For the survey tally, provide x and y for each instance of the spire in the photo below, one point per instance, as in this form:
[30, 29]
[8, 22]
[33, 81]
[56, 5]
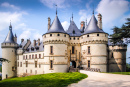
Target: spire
[72, 16]
[93, 9]
[10, 27]
[70, 20]
[10, 37]
[56, 10]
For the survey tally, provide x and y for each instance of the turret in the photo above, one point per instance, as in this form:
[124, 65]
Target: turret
[100, 21]
[9, 47]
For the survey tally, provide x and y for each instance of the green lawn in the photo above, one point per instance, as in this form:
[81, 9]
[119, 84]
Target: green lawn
[44, 80]
[123, 73]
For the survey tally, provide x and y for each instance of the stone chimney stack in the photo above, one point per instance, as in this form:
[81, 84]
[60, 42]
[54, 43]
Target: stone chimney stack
[22, 40]
[34, 43]
[38, 41]
[100, 21]
[15, 38]
[49, 23]
[82, 25]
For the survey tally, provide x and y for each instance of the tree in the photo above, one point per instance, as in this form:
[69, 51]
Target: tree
[121, 35]
[3, 60]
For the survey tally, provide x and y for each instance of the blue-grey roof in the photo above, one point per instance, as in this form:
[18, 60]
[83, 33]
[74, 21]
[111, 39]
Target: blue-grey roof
[92, 26]
[10, 37]
[73, 28]
[56, 26]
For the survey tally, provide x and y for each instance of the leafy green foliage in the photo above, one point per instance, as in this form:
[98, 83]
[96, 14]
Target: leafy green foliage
[123, 73]
[4, 60]
[45, 80]
[122, 34]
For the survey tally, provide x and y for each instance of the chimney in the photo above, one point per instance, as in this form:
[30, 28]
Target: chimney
[82, 25]
[34, 43]
[100, 21]
[49, 23]
[15, 38]
[38, 42]
[22, 40]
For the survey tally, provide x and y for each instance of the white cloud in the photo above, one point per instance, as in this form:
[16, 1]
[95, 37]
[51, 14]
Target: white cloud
[37, 35]
[7, 16]
[65, 25]
[84, 15]
[25, 34]
[112, 10]
[52, 3]
[6, 4]
[20, 26]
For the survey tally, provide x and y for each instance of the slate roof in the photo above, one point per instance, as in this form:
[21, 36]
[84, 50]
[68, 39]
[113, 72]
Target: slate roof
[30, 47]
[10, 37]
[92, 26]
[73, 30]
[56, 26]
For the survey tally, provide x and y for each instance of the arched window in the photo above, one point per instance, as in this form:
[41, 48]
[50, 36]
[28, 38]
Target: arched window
[112, 55]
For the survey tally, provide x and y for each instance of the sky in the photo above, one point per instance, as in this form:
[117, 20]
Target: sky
[29, 18]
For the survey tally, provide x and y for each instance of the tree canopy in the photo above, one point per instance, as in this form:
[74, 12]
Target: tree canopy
[121, 35]
[3, 60]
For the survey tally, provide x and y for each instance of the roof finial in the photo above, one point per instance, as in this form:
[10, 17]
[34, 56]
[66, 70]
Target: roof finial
[10, 22]
[56, 10]
[72, 16]
[70, 19]
[93, 8]
[10, 27]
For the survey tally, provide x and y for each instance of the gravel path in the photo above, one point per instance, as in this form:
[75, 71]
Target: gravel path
[96, 79]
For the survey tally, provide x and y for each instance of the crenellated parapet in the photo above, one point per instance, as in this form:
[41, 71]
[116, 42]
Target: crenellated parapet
[9, 45]
[55, 38]
[95, 38]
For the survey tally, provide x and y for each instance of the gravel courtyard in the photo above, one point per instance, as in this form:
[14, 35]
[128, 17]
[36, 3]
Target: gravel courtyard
[96, 79]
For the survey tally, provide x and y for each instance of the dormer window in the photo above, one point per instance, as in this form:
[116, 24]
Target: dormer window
[32, 48]
[73, 31]
[50, 35]
[36, 47]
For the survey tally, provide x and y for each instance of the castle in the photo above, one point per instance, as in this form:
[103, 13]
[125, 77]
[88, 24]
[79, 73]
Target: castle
[87, 47]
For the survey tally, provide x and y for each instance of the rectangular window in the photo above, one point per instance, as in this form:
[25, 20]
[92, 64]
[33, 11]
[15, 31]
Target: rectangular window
[88, 63]
[23, 56]
[36, 56]
[51, 64]
[72, 49]
[30, 71]
[88, 49]
[17, 57]
[29, 56]
[20, 64]
[33, 56]
[39, 65]
[43, 55]
[26, 56]
[35, 64]
[39, 55]
[26, 63]
[51, 49]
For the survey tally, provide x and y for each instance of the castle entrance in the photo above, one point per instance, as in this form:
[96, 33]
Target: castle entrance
[73, 64]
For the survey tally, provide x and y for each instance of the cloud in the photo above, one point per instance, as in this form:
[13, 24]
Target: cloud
[52, 3]
[25, 34]
[84, 15]
[20, 26]
[37, 35]
[112, 10]
[7, 16]
[65, 25]
[6, 4]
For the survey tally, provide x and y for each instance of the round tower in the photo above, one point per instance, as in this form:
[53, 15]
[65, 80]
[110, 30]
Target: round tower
[94, 47]
[117, 58]
[9, 52]
[55, 48]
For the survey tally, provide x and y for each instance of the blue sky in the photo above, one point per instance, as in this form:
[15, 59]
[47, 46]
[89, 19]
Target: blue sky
[29, 17]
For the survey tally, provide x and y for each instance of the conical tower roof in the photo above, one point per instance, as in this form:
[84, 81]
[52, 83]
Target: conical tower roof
[73, 29]
[56, 26]
[10, 37]
[92, 26]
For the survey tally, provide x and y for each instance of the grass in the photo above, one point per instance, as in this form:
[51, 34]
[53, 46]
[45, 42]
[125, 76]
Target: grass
[123, 73]
[44, 80]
